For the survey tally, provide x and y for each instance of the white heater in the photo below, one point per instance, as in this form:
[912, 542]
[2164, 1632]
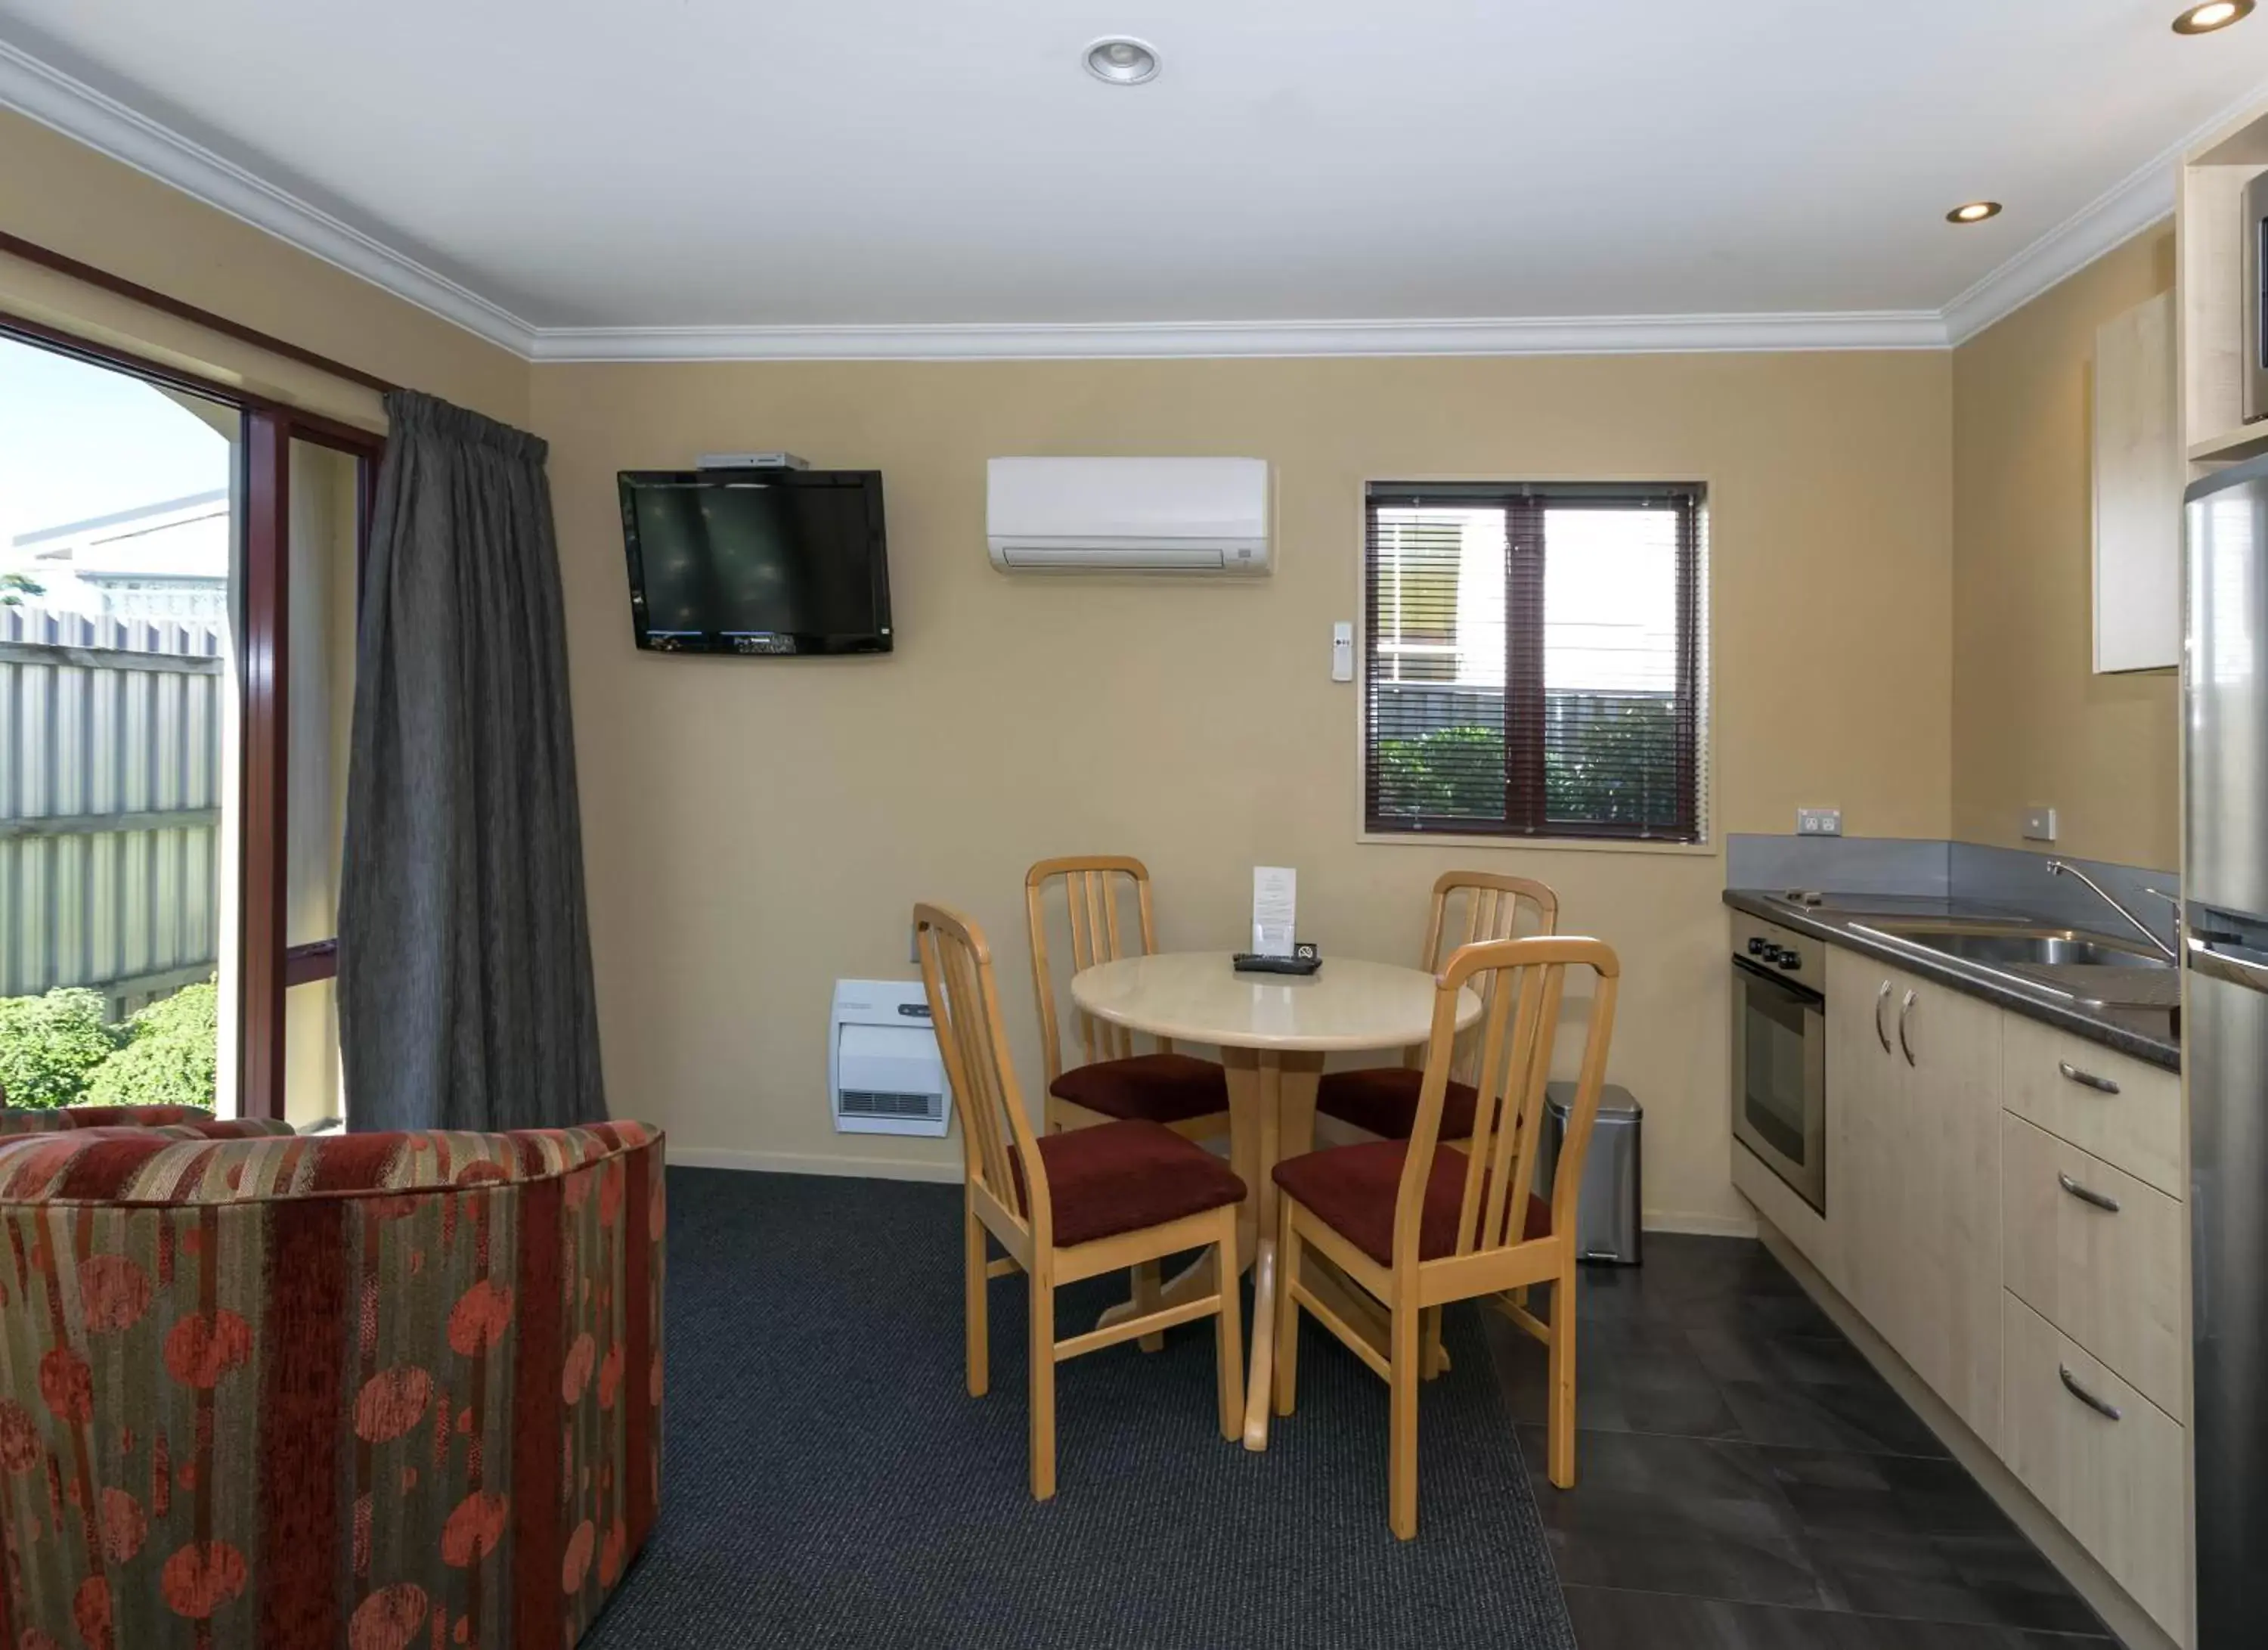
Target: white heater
[884, 1075]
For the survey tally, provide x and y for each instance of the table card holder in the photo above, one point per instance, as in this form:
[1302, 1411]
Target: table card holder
[1275, 920]
[1275, 910]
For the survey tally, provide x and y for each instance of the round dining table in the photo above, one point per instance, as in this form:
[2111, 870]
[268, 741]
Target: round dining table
[1273, 1031]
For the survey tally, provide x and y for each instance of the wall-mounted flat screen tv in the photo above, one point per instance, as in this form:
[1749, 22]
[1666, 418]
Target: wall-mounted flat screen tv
[757, 561]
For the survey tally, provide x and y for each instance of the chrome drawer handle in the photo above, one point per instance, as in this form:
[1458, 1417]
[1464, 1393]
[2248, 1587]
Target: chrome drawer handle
[2109, 1205]
[1881, 997]
[2087, 1079]
[2108, 1412]
[1905, 1009]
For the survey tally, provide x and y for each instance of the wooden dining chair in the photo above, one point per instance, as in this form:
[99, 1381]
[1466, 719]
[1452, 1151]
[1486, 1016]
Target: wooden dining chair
[1114, 1082]
[1071, 1206]
[1469, 906]
[1418, 1224]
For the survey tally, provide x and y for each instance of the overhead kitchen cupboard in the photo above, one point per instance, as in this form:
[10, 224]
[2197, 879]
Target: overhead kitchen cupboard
[2138, 474]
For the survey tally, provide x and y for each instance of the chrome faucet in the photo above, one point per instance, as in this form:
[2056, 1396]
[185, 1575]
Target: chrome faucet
[2064, 868]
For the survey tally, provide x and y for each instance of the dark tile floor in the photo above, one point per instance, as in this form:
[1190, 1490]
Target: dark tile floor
[1749, 1483]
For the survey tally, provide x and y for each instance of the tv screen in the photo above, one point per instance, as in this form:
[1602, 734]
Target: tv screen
[757, 561]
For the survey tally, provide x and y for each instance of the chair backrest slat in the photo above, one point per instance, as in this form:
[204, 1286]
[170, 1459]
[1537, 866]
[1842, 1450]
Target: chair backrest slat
[1517, 1167]
[1482, 905]
[964, 1005]
[1522, 984]
[1510, 1108]
[1485, 1072]
[1095, 887]
[1486, 906]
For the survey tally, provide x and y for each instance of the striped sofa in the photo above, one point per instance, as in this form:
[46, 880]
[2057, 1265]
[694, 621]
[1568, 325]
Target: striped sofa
[373, 1391]
[189, 1120]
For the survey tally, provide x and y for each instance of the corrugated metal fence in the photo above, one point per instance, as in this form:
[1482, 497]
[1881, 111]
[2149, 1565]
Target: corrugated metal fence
[110, 787]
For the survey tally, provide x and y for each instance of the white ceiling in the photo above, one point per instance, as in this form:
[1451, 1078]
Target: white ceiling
[537, 167]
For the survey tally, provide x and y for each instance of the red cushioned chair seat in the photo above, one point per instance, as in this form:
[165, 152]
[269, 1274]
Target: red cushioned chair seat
[1352, 1189]
[1161, 1088]
[1123, 1177]
[1383, 1098]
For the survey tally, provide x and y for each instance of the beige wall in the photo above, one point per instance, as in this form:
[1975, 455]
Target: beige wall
[755, 829]
[2032, 724]
[71, 200]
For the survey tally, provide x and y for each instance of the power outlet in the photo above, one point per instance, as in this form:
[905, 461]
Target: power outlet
[1819, 821]
[2039, 824]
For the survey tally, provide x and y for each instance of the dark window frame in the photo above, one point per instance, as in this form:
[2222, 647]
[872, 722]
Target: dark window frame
[268, 965]
[1525, 815]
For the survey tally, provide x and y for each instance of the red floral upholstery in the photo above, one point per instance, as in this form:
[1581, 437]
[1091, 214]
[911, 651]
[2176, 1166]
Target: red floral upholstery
[350, 1390]
[1123, 1177]
[1383, 1098]
[1161, 1088]
[1352, 1189]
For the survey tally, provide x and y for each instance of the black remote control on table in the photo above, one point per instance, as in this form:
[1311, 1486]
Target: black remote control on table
[1305, 959]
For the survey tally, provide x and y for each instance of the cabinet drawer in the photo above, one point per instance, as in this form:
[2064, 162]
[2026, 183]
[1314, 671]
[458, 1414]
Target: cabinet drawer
[2110, 1278]
[2126, 1112]
[2117, 1484]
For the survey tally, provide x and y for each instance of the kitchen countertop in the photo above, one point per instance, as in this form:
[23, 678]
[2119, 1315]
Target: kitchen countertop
[2138, 1032]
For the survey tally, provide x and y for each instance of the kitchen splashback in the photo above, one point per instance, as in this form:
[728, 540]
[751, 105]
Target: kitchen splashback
[2019, 879]
[2012, 879]
[1839, 865]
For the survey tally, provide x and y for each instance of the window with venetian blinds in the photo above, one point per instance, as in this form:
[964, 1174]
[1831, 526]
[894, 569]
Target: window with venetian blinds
[1535, 660]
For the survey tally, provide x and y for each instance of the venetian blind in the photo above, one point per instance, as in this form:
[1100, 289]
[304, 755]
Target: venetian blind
[1533, 661]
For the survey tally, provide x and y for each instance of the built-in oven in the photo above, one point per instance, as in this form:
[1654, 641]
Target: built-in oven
[1780, 1053]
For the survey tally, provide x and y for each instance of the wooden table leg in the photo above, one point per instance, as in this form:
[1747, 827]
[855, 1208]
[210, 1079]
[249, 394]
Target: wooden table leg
[1271, 1115]
[1287, 1125]
[1245, 1127]
[1251, 1123]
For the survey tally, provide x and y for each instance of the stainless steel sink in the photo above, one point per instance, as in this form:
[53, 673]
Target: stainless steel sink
[2049, 947]
[2133, 987]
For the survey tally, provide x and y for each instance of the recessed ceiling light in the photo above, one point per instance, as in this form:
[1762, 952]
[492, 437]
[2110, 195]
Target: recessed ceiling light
[2219, 15]
[1121, 60]
[1975, 212]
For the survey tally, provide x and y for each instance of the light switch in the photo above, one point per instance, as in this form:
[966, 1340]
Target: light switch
[2039, 824]
[1343, 652]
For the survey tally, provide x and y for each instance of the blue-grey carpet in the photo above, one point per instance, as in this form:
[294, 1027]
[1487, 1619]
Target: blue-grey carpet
[827, 1480]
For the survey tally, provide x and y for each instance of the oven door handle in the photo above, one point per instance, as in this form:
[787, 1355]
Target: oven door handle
[1802, 994]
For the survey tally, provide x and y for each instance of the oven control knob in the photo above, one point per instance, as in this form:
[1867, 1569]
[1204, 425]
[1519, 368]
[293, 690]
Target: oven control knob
[1790, 960]
[1760, 948]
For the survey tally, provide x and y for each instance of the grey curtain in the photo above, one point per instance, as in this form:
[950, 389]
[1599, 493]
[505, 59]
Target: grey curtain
[465, 995]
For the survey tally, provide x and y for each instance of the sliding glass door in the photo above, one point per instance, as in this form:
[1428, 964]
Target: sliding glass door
[326, 506]
[179, 567]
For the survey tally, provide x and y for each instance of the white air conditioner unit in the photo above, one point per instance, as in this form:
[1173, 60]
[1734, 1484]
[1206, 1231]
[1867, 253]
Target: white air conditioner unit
[1128, 515]
[884, 1073]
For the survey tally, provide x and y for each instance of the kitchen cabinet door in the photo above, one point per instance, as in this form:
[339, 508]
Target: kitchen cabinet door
[2138, 475]
[1865, 1095]
[1949, 1313]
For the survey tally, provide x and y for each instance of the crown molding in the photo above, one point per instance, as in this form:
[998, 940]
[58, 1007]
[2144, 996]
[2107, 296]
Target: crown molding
[1583, 334]
[2143, 198]
[102, 124]
[2146, 196]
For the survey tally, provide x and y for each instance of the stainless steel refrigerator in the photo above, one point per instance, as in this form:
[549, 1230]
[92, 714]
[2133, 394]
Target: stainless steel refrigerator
[2225, 889]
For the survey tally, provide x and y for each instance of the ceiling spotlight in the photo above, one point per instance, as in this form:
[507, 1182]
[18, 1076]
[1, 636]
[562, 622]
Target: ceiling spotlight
[2219, 15]
[1121, 60]
[1975, 212]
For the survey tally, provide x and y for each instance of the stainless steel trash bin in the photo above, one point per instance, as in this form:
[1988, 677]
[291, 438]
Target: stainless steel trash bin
[1607, 1216]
